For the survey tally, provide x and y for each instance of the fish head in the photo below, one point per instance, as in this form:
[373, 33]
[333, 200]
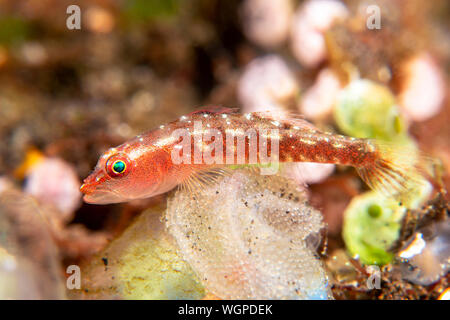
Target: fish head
[124, 173]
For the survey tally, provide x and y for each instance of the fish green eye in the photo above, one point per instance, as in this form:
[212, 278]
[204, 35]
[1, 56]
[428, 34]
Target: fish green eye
[119, 166]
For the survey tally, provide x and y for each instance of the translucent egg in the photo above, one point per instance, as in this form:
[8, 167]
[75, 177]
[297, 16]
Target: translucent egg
[250, 237]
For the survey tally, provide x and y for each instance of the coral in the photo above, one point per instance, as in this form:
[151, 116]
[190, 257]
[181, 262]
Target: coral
[310, 22]
[423, 91]
[266, 22]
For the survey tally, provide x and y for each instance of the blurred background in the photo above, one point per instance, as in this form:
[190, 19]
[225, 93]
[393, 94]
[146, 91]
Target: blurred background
[375, 69]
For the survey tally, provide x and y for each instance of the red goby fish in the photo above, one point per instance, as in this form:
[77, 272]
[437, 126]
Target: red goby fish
[181, 153]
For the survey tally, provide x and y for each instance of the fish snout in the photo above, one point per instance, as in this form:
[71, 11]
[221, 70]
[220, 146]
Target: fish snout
[89, 185]
[84, 189]
[92, 184]
[95, 191]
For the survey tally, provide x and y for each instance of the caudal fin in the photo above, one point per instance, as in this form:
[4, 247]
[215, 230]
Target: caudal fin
[398, 170]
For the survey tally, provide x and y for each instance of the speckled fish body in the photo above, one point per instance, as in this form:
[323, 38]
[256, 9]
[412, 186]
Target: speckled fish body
[151, 169]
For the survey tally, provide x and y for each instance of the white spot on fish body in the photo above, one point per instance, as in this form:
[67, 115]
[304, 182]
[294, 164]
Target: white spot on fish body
[370, 147]
[234, 132]
[165, 141]
[136, 153]
[276, 123]
[308, 141]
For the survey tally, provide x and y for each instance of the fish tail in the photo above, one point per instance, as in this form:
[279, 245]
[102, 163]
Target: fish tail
[396, 170]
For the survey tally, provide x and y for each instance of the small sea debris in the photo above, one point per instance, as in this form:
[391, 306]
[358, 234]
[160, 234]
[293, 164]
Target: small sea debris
[250, 237]
[426, 257]
[423, 91]
[142, 263]
[339, 265]
[365, 109]
[99, 20]
[33, 53]
[54, 181]
[445, 295]
[318, 101]
[267, 22]
[311, 20]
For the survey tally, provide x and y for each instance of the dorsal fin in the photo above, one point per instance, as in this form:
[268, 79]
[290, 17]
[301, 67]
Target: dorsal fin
[290, 118]
[215, 110]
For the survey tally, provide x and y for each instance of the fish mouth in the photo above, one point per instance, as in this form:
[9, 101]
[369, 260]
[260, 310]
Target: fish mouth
[95, 194]
[100, 196]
